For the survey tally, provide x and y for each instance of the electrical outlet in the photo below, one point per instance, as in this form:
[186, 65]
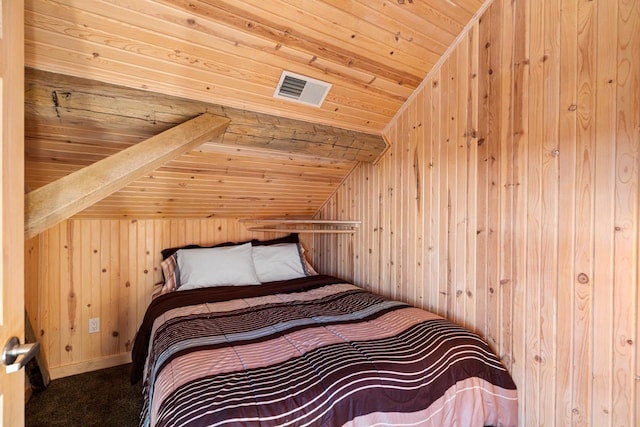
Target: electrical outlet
[94, 325]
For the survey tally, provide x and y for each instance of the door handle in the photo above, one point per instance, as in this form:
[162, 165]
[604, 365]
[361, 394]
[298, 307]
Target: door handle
[13, 350]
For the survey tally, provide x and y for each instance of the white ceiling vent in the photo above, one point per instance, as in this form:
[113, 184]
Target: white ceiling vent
[302, 89]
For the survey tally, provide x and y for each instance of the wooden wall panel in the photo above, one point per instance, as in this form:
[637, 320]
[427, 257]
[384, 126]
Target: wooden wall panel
[508, 202]
[86, 268]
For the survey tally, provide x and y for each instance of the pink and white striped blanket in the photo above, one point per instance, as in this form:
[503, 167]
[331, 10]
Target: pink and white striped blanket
[313, 351]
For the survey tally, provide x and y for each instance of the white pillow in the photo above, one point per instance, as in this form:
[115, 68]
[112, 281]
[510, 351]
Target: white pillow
[278, 262]
[205, 267]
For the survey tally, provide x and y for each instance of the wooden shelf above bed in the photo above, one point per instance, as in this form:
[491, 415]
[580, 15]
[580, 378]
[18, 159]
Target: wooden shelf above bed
[316, 226]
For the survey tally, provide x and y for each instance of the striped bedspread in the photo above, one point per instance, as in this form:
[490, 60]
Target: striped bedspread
[312, 352]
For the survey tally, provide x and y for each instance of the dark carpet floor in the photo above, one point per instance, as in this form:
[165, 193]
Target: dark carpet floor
[102, 398]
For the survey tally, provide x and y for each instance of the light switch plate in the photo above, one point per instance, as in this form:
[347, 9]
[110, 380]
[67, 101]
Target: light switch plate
[94, 325]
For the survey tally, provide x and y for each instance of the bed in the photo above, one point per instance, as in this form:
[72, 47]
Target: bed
[311, 350]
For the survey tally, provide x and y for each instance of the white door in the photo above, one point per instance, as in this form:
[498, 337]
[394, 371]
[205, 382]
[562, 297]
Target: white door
[12, 385]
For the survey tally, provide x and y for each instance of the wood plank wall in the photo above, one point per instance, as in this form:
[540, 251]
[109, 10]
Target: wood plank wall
[86, 268]
[508, 202]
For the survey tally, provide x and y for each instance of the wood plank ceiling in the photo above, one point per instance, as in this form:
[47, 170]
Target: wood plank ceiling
[263, 166]
[227, 56]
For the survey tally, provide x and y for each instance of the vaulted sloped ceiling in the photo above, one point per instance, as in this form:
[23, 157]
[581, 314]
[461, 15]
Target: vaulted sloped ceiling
[214, 55]
[262, 165]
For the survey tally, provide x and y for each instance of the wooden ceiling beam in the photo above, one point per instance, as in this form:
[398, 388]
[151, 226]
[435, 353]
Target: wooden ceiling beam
[75, 108]
[61, 199]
